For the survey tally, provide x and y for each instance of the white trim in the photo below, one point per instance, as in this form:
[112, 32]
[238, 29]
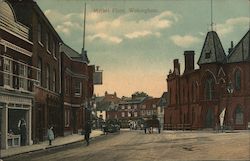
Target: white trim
[221, 70]
[33, 80]
[209, 71]
[45, 89]
[16, 48]
[19, 62]
[28, 41]
[72, 105]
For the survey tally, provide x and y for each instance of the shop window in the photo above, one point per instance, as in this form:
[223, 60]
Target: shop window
[238, 80]
[239, 116]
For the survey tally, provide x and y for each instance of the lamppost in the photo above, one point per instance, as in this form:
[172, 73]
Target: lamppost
[230, 90]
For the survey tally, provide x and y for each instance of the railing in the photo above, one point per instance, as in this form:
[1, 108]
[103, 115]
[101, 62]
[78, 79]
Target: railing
[177, 127]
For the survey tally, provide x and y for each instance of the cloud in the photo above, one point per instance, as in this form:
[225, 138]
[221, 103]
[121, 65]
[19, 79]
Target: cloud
[229, 25]
[184, 41]
[105, 37]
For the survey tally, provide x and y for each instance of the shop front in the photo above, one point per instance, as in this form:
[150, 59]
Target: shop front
[15, 117]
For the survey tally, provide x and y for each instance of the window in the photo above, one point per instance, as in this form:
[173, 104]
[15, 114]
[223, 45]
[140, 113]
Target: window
[67, 117]
[39, 72]
[39, 33]
[78, 88]
[193, 92]
[47, 77]
[209, 85]
[47, 40]
[135, 114]
[239, 116]
[54, 80]
[67, 85]
[123, 107]
[237, 80]
[208, 55]
[7, 72]
[129, 114]
[54, 49]
[23, 77]
[123, 114]
[129, 107]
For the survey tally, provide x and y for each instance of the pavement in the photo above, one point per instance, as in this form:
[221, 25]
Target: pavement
[59, 141]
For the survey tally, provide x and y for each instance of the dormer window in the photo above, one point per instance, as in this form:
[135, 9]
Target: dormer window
[208, 55]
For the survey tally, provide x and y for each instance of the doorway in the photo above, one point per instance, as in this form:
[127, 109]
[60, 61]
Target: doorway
[209, 121]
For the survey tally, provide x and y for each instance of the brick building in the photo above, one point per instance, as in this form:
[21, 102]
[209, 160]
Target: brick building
[105, 107]
[46, 58]
[16, 79]
[198, 96]
[77, 88]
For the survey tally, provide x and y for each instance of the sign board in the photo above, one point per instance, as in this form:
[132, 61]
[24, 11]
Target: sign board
[97, 78]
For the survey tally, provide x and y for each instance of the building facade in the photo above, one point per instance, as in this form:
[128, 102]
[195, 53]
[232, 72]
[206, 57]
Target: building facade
[77, 89]
[46, 58]
[198, 97]
[16, 79]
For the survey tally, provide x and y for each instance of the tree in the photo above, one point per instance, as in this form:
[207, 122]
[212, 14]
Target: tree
[139, 94]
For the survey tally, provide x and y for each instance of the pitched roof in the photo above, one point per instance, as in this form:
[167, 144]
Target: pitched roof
[212, 51]
[241, 51]
[163, 100]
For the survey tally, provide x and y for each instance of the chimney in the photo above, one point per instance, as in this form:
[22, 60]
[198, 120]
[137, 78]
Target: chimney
[176, 67]
[189, 61]
[106, 93]
[231, 48]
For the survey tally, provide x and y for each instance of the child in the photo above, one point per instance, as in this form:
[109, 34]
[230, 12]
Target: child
[50, 135]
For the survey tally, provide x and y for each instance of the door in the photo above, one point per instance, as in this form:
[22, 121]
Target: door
[209, 121]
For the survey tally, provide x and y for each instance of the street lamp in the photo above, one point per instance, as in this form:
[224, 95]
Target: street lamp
[230, 90]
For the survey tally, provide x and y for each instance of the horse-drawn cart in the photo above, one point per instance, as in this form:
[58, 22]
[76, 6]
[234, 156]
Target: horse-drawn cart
[150, 124]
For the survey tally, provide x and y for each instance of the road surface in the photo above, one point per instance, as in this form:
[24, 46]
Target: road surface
[137, 146]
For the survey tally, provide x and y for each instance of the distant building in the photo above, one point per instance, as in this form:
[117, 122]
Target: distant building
[104, 107]
[161, 105]
[198, 96]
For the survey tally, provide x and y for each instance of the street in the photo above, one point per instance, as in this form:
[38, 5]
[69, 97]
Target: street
[135, 145]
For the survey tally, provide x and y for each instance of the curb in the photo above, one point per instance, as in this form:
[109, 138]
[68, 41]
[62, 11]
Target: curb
[45, 148]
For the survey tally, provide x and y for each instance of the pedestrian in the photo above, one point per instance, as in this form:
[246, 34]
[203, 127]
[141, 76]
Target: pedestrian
[22, 128]
[87, 132]
[50, 135]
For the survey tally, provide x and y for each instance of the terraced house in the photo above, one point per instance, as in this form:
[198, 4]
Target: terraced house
[43, 82]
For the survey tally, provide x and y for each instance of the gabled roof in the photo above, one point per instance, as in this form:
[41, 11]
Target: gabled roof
[241, 51]
[212, 51]
[163, 100]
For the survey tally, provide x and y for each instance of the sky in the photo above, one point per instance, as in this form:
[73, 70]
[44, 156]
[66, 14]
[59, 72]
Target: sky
[135, 41]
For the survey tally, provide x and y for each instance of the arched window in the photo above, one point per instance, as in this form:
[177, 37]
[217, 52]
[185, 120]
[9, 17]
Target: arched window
[237, 80]
[209, 88]
[239, 116]
[193, 92]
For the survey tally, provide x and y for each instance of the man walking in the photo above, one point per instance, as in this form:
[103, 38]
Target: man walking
[87, 132]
